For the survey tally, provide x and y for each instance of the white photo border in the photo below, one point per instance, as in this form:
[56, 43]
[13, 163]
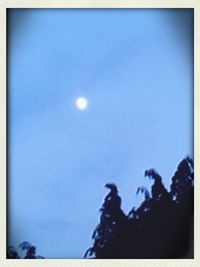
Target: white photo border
[4, 5]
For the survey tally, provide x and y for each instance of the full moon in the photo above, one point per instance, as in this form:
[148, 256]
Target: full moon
[81, 103]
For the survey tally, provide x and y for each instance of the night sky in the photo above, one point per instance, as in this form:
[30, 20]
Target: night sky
[135, 69]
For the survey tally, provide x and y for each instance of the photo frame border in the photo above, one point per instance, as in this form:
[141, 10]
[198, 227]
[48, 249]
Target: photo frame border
[6, 4]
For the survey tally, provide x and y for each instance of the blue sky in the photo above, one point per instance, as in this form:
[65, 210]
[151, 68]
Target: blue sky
[135, 67]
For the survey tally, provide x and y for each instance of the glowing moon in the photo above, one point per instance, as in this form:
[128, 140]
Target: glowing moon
[81, 103]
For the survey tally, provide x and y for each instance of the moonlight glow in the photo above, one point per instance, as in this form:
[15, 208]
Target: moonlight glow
[81, 103]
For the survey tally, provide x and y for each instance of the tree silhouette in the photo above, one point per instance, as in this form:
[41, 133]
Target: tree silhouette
[25, 248]
[110, 228]
[161, 227]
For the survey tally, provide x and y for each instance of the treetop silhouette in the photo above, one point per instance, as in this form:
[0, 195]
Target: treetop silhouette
[27, 250]
[161, 227]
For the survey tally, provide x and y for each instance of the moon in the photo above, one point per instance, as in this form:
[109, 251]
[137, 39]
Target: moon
[81, 103]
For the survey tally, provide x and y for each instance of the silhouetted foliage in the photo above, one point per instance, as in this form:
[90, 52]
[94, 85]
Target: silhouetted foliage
[161, 227]
[27, 250]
